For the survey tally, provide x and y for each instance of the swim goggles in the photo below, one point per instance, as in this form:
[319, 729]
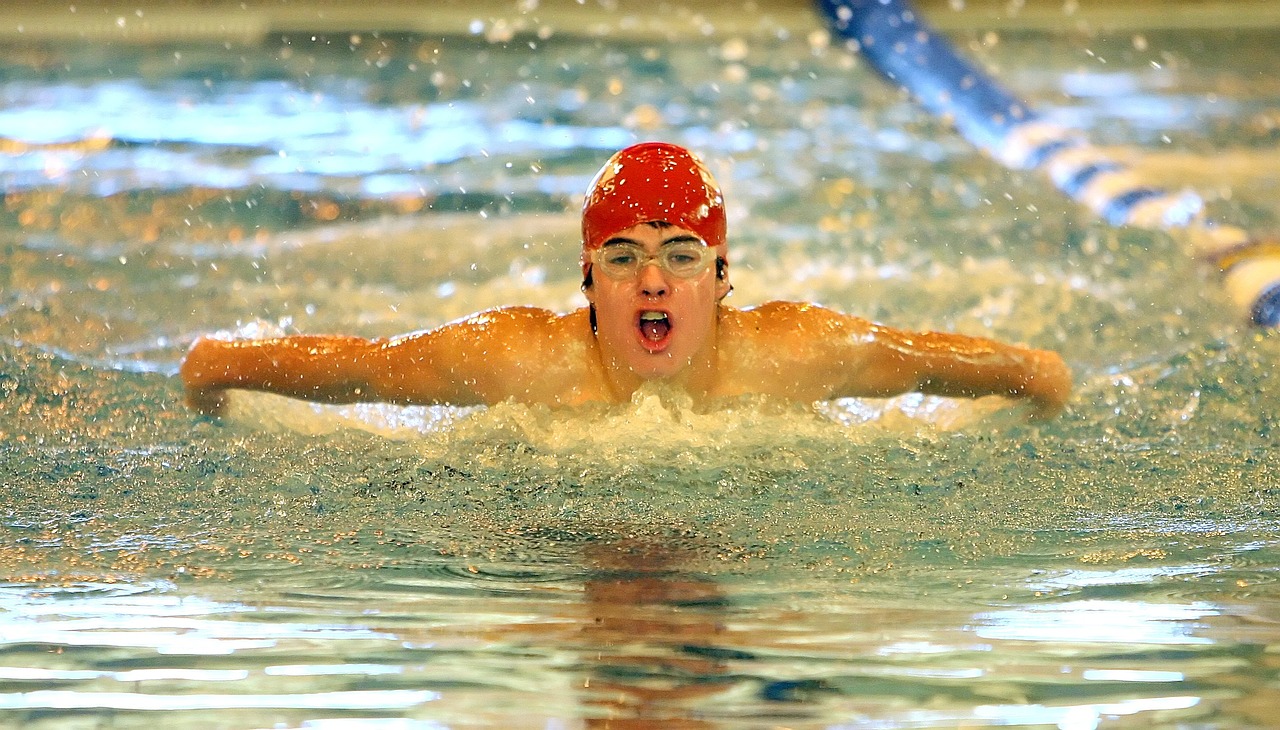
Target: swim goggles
[623, 261]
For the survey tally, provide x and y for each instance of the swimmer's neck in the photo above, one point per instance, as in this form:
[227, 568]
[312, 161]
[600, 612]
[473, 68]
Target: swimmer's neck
[694, 381]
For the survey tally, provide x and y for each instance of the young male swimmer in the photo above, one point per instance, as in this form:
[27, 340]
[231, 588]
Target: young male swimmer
[655, 269]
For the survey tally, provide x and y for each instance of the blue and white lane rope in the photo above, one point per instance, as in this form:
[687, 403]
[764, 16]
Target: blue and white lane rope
[898, 44]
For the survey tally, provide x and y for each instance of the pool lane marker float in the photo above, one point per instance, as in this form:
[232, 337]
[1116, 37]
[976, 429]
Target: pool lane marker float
[902, 48]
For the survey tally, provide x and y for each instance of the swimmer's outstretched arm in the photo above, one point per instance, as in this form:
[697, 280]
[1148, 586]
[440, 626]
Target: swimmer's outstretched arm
[829, 354]
[936, 363]
[476, 361]
[324, 368]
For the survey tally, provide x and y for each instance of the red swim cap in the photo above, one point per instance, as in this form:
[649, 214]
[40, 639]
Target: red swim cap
[652, 181]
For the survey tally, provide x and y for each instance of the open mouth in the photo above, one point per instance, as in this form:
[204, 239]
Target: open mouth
[654, 326]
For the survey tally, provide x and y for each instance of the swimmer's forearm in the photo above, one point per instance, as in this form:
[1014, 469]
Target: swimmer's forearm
[1040, 376]
[955, 365]
[321, 368]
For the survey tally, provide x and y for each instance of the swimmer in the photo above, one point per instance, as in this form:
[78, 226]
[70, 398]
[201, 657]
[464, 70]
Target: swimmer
[655, 272]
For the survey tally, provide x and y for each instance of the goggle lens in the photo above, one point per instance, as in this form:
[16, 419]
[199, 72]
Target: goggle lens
[625, 260]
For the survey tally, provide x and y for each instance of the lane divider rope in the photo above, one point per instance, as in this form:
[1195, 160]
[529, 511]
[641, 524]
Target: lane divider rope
[905, 50]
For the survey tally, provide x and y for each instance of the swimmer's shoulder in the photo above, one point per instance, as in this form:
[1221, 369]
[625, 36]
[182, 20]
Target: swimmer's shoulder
[529, 354]
[533, 333]
[785, 319]
[510, 335]
[525, 323]
[788, 349]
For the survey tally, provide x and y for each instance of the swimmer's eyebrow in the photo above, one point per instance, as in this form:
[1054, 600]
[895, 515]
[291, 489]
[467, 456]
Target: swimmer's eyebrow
[620, 241]
[682, 238]
[623, 240]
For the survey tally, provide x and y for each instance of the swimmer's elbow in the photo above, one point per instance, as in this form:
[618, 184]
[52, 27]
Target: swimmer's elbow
[411, 382]
[884, 380]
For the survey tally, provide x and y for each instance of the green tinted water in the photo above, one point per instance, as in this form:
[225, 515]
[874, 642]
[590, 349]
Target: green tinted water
[911, 563]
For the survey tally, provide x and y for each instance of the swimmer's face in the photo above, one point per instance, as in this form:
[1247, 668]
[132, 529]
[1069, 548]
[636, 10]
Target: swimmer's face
[655, 323]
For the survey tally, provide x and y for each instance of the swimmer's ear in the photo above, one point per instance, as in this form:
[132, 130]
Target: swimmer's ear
[587, 281]
[723, 287]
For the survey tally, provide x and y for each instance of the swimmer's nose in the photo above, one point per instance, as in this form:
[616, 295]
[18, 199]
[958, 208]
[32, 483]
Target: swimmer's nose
[652, 281]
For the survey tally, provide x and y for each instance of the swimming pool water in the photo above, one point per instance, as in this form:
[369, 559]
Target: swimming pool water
[911, 563]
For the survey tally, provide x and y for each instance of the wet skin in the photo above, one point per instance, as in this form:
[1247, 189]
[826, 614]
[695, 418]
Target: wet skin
[635, 344]
[650, 327]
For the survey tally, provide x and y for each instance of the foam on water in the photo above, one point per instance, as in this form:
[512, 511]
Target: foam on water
[656, 420]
